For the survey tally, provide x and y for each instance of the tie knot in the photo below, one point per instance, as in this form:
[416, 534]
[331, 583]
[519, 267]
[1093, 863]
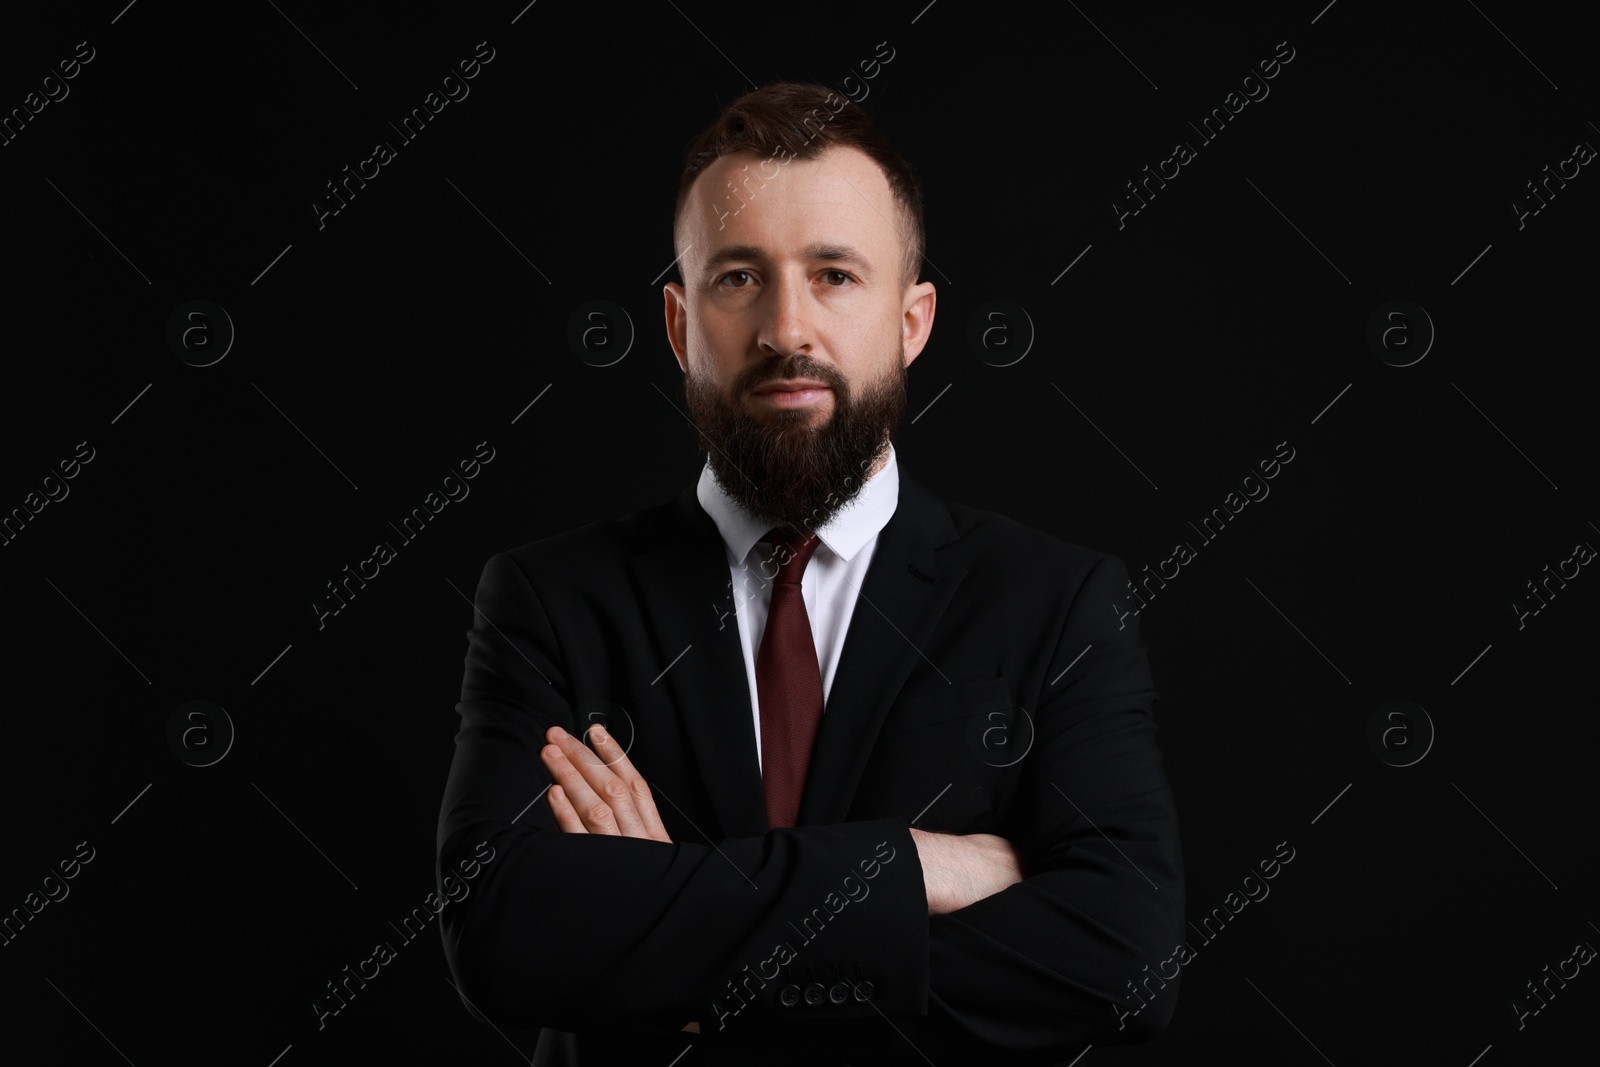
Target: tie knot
[791, 552]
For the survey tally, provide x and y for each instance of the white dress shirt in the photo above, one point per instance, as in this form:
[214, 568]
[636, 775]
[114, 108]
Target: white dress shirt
[832, 577]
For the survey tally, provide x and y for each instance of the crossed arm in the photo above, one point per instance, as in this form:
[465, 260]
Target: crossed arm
[1031, 966]
[600, 792]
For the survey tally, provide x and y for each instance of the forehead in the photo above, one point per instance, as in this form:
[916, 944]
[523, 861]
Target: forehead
[841, 195]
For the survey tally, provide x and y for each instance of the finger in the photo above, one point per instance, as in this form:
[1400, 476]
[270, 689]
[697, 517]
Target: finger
[594, 812]
[645, 804]
[609, 787]
[621, 802]
[566, 815]
[613, 755]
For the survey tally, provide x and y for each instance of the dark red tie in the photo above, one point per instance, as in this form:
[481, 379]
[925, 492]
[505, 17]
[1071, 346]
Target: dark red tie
[788, 681]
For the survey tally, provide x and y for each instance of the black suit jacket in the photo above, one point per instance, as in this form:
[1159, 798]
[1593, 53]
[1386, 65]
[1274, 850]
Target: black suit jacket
[987, 684]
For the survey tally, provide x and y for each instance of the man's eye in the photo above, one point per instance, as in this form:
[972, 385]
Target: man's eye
[730, 274]
[841, 274]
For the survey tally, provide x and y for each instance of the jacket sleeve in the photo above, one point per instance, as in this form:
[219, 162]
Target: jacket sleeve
[580, 931]
[1080, 952]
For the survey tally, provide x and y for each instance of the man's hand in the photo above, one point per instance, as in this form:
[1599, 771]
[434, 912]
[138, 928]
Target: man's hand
[598, 794]
[962, 869]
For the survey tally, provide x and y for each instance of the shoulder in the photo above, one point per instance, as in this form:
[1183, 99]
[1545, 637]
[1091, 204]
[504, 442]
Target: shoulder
[600, 546]
[989, 542]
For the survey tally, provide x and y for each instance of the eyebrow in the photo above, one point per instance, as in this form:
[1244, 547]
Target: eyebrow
[832, 253]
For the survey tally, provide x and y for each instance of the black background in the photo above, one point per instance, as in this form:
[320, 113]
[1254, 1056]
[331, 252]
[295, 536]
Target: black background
[1176, 352]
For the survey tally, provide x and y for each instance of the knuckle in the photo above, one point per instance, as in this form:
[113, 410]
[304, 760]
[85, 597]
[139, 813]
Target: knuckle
[617, 789]
[600, 812]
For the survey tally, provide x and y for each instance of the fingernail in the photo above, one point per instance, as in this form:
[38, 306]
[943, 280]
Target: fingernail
[558, 731]
[599, 733]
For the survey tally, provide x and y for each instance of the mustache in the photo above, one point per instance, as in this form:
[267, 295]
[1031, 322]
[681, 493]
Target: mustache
[794, 367]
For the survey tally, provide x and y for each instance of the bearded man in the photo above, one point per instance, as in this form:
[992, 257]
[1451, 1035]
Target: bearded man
[807, 765]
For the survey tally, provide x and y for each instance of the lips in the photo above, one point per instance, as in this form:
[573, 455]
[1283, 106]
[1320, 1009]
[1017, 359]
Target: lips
[794, 385]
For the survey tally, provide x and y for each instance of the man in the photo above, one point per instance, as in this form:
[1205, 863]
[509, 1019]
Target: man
[877, 781]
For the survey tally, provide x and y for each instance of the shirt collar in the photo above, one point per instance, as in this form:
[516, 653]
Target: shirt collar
[845, 533]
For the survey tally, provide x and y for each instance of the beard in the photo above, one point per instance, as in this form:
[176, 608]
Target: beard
[778, 466]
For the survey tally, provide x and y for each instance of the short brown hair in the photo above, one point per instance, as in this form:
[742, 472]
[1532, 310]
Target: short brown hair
[794, 120]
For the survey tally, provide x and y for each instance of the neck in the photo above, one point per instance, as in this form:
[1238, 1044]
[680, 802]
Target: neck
[879, 463]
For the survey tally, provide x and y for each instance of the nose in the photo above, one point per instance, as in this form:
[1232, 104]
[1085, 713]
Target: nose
[787, 326]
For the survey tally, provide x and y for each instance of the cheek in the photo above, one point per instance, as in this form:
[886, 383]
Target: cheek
[717, 337]
[723, 345]
[712, 375]
[874, 350]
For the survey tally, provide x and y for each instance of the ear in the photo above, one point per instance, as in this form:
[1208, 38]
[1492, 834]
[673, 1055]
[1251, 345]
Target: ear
[916, 319]
[677, 316]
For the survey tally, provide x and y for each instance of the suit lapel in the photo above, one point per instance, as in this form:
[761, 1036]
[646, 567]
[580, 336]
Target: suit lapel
[905, 593]
[684, 583]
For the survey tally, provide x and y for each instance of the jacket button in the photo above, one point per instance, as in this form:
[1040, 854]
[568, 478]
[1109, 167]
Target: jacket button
[815, 994]
[863, 990]
[790, 996]
[839, 993]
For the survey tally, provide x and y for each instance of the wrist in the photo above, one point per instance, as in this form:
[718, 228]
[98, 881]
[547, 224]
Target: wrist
[930, 854]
